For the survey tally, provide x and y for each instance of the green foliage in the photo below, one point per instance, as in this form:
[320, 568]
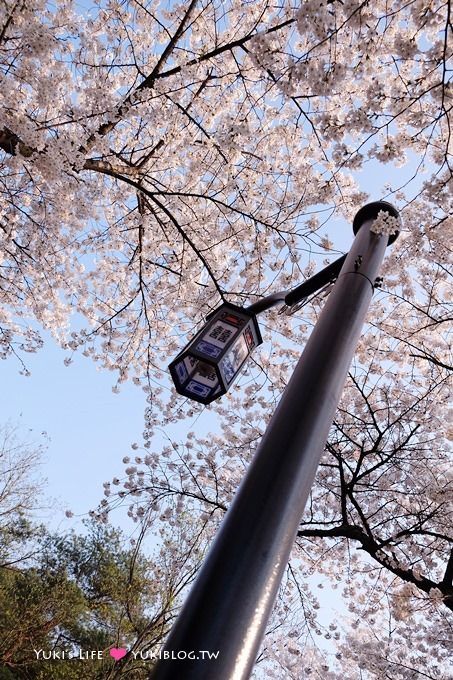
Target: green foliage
[74, 594]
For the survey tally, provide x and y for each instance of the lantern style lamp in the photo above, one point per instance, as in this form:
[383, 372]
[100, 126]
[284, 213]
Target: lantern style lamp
[207, 366]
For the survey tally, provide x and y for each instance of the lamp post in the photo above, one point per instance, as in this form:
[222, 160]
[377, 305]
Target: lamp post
[228, 607]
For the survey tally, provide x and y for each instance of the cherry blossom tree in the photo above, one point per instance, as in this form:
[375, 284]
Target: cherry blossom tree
[157, 159]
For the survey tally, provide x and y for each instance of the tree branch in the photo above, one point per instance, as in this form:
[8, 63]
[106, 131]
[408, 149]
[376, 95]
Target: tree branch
[367, 543]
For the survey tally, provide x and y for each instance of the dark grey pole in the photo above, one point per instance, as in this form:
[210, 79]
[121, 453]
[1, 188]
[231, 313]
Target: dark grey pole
[229, 605]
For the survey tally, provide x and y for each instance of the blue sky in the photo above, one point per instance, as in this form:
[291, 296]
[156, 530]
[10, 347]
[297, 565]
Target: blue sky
[90, 427]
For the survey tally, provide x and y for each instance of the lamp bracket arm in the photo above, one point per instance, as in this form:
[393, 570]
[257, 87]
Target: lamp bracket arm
[298, 294]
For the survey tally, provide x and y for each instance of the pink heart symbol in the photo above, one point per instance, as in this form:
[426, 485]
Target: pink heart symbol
[118, 652]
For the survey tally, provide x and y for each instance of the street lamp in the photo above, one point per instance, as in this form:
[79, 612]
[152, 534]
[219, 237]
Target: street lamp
[207, 366]
[228, 607]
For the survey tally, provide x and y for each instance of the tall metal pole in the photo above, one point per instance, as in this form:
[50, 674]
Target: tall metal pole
[228, 607]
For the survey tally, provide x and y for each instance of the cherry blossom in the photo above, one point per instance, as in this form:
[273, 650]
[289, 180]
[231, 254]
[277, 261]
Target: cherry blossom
[157, 160]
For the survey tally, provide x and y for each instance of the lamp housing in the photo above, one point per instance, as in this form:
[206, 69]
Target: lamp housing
[206, 368]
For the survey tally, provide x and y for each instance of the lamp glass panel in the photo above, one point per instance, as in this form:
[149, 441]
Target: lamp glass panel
[220, 334]
[234, 359]
[204, 379]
